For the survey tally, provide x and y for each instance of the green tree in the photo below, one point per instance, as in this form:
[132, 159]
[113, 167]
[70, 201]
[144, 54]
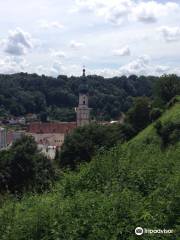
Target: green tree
[155, 113]
[24, 168]
[84, 142]
[43, 116]
[167, 87]
[139, 115]
[24, 93]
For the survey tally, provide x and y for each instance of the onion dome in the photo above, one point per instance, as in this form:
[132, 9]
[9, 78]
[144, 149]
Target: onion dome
[83, 87]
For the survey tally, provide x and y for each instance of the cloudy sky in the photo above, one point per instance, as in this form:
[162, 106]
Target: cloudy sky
[109, 37]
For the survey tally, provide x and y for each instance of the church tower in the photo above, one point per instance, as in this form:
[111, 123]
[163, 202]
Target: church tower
[83, 110]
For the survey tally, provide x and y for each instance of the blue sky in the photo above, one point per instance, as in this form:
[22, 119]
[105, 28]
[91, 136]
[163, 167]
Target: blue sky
[111, 38]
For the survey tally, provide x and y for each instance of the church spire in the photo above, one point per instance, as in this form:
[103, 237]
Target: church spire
[83, 111]
[83, 87]
[84, 71]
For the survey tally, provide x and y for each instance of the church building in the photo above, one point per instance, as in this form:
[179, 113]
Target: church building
[83, 110]
[50, 136]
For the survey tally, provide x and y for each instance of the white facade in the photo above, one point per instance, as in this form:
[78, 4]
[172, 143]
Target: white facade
[48, 151]
[49, 139]
[83, 111]
[49, 143]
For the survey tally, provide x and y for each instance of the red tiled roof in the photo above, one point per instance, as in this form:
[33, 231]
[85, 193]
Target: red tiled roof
[61, 127]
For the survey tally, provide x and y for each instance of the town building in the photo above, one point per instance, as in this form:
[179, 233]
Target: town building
[50, 133]
[50, 136]
[83, 110]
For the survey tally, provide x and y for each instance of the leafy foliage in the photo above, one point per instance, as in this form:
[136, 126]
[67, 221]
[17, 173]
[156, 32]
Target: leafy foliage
[169, 132]
[134, 184]
[139, 115]
[59, 96]
[23, 168]
[85, 142]
[155, 113]
[167, 87]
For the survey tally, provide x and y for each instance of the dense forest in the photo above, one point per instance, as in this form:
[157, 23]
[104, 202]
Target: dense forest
[24, 93]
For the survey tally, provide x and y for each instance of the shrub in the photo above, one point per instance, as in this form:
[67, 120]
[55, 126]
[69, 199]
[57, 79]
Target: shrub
[173, 101]
[155, 114]
[85, 142]
[138, 115]
[169, 132]
[167, 87]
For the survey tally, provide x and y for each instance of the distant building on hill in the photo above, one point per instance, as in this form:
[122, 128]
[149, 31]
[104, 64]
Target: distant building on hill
[83, 110]
[31, 117]
[50, 135]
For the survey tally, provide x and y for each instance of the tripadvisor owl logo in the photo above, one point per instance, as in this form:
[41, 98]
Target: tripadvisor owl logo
[139, 231]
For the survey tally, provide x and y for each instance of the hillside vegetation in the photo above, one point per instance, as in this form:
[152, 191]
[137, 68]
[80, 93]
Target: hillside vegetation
[134, 184]
[58, 97]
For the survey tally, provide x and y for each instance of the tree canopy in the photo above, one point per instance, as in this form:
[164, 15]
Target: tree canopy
[85, 142]
[58, 96]
[23, 168]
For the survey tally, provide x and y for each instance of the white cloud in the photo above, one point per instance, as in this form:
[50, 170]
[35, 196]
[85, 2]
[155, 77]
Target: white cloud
[57, 68]
[139, 67]
[40, 70]
[48, 25]
[162, 69]
[10, 65]
[58, 54]
[76, 45]
[18, 43]
[144, 66]
[125, 51]
[53, 69]
[105, 72]
[151, 11]
[146, 12]
[86, 58]
[170, 34]
[97, 24]
[116, 11]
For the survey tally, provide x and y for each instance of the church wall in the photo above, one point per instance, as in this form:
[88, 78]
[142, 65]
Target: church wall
[49, 139]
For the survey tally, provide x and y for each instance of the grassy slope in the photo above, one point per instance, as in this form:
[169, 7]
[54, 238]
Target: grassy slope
[136, 184]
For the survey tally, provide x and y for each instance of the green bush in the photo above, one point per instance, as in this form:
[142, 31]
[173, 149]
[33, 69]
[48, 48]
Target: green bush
[173, 101]
[139, 114]
[85, 142]
[155, 114]
[169, 132]
[167, 87]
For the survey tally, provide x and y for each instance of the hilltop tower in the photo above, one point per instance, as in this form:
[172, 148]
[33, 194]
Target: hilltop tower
[83, 110]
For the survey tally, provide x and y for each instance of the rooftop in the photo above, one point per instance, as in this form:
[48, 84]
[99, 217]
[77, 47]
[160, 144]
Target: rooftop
[51, 127]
